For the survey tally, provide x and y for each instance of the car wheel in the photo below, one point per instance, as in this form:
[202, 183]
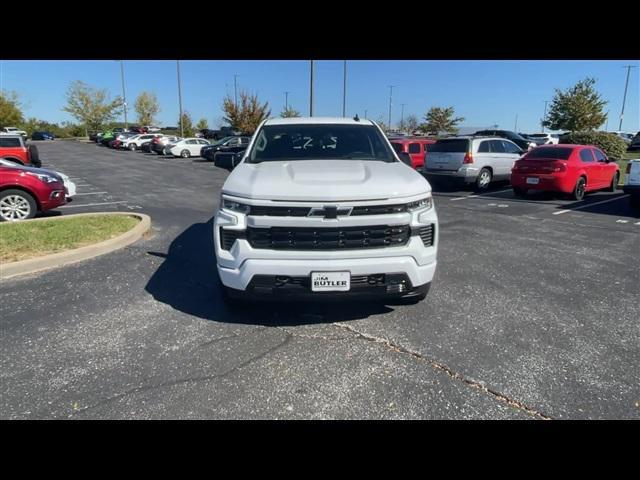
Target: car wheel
[132, 146]
[578, 191]
[34, 155]
[614, 182]
[483, 180]
[519, 192]
[16, 205]
[185, 154]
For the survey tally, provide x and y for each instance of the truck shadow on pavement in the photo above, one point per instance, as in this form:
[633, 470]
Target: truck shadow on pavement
[188, 281]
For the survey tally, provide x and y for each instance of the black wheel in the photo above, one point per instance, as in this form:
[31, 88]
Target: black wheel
[185, 153]
[132, 146]
[614, 182]
[16, 205]
[483, 180]
[578, 191]
[34, 156]
[520, 192]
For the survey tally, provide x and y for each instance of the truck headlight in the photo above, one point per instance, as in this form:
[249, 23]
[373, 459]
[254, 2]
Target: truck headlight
[235, 206]
[422, 204]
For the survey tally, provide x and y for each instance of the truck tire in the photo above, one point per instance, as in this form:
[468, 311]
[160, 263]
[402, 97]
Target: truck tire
[34, 156]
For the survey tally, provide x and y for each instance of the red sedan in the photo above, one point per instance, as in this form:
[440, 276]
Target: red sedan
[415, 147]
[569, 169]
[25, 191]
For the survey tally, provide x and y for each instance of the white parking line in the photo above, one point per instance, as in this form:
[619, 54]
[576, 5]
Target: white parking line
[590, 205]
[91, 204]
[90, 193]
[481, 194]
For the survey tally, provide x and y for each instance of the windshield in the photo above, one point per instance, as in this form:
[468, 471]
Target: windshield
[221, 141]
[319, 142]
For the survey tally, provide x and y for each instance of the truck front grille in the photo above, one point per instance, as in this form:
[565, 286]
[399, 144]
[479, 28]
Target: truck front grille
[305, 238]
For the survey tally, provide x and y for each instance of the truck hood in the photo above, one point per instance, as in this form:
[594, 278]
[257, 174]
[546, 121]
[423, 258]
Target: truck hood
[325, 180]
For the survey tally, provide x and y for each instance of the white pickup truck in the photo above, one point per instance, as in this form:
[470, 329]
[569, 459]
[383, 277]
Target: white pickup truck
[322, 208]
[13, 131]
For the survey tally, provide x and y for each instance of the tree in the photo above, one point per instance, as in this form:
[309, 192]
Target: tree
[90, 106]
[381, 123]
[10, 109]
[411, 123]
[289, 112]
[147, 108]
[202, 124]
[577, 108]
[247, 114]
[441, 120]
[187, 125]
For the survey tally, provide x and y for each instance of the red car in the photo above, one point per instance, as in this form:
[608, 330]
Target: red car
[14, 148]
[570, 169]
[25, 191]
[415, 147]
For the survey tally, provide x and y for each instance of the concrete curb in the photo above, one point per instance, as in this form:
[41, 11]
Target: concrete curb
[23, 267]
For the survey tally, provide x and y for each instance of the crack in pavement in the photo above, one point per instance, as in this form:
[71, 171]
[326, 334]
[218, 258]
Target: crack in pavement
[181, 381]
[443, 368]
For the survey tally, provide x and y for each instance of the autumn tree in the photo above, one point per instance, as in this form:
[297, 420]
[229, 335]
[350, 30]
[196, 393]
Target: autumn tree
[577, 108]
[90, 106]
[247, 114]
[289, 112]
[202, 124]
[147, 108]
[187, 125]
[439, 119]
[10, 109]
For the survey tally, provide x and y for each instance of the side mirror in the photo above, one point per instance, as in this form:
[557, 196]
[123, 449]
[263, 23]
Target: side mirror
[406, 158]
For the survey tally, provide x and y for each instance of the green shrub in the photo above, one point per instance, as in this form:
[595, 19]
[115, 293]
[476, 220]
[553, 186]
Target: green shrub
[612, 145]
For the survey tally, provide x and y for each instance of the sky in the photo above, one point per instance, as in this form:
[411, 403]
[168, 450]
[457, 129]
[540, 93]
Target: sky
[485, 93]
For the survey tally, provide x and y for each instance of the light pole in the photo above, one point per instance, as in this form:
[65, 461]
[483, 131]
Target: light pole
[286, 100]
[606, 127]
[402, 115]
[544, 115]
[515, 129]
[365, 113]
[235, 90]
[180, 98]
[344, 90]
[311, 91]
[390, 96]
[624, 99]
[124, 95]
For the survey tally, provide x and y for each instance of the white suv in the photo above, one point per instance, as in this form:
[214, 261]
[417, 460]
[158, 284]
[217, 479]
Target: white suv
[324, 208]
[632, 182]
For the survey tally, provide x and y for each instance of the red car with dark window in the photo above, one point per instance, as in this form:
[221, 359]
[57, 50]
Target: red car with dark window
[14, 148]
[415, 147]
[25, 191]
[569, 169]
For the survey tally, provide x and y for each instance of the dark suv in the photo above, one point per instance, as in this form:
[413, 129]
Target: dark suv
[226, 145]
[519, 140]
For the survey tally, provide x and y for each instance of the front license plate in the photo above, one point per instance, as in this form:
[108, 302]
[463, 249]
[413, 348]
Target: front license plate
[330, 281]
[533, 180]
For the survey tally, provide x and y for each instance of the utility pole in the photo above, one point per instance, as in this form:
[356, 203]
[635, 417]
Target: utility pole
[544, 115]
[624, 99]
[402, 115]
[180, 98]
[515, 129]
[390, 96]
[124, 96]
[235, 90]
[286, 100]
[344, 90]
[606, 128]
[365, 113]
[311, 91]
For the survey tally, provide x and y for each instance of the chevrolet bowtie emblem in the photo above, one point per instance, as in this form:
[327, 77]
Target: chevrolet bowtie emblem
[330, 212]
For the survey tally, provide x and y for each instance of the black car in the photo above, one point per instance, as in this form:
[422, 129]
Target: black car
[226, 145]
[229, 160]
[42, 136]
[519, 140]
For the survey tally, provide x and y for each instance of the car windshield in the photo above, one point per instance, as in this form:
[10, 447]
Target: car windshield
[320, 142]
[556, 153]
[221, 141]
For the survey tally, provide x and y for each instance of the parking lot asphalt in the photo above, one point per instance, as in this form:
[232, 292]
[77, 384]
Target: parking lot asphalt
[533, 314]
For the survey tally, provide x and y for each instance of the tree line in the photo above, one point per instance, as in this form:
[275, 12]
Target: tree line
[578, 108]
